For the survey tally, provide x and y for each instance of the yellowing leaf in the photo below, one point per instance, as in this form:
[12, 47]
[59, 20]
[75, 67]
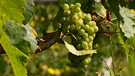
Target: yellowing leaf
[72, 49]
[16, 56]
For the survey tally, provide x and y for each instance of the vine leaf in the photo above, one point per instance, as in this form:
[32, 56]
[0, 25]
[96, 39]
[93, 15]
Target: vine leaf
[11, 10]
[16, 10]
[15, 32]
[99, 9]
[29, 7]
[21, 36]
[15, 55]
[31, 38]
[72, 49]
[127, 19]
[114, 5]
[3, 66]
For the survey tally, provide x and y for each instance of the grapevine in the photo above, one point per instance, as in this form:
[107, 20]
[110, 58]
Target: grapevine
[82, 30]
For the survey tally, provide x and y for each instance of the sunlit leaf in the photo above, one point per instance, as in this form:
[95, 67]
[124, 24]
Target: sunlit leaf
[128, 24]
[11, 10]
[72, 49]
[31, 38]
[15, 55]
[99, 9]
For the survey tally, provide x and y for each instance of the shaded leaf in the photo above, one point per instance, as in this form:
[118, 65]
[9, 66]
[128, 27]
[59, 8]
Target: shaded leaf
[72, 49]
[128, 24]
[131, 4]
[124, 44]
[114, 5]
[29, 7]
[15, 32]
[2, 66]
[16, 56]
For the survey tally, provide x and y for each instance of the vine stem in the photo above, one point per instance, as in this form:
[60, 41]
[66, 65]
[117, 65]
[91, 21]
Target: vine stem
[112, 54]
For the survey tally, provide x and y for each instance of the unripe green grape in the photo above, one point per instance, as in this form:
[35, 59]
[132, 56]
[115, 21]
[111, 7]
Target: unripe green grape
[96, 46]
[81, 40]
[87, 18]
[93, 35]
[77, 9]
[85, 35]
[74, 17]
[78, 5]
[63, 19]
[65, 6]
[78, 37]
[87, 39]
[81, 31]
[77, 27]
[91, 30]
[90, 38]
[79, 22]
[95, 28]
[67, 12]
[86, 61]
[86, 27]
[92, 23]
[80, 15]
[90, 45]
[85, 45]
[84, 57]
[79, 46]
[72, 27]
[71, 6]
[66, 29]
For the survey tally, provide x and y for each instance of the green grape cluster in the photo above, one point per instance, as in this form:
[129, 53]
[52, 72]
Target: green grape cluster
[83, 30]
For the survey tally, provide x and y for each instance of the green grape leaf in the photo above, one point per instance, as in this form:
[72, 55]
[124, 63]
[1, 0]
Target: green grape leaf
[16, 57]
[2, 66]
[114, 5]
[21, 35]
[128, 24]
[99, 9]
[72, 49]
[121, 40]
[96, 7]
[1, 26]
[31, 38]
[29, 7]
[11, 10]
[15, 32]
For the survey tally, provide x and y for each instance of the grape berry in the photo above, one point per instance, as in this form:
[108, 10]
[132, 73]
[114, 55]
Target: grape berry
[80, 25]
